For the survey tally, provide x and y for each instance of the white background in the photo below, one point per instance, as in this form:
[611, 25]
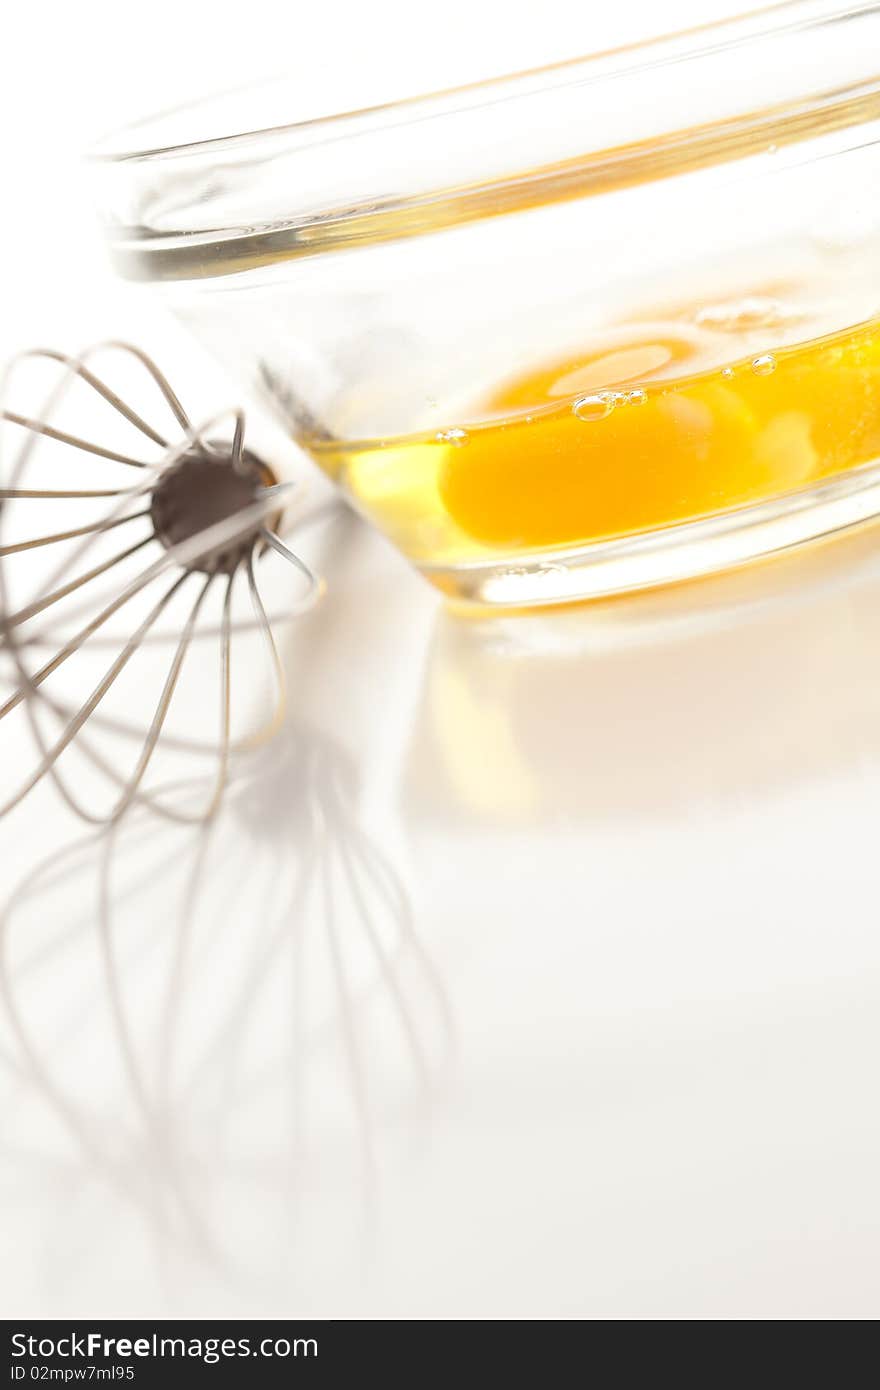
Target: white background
[639, 844]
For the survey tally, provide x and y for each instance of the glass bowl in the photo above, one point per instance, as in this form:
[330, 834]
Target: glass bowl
[600, 326]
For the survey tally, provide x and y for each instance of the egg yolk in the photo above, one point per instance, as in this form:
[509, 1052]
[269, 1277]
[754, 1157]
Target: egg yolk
[635, 433]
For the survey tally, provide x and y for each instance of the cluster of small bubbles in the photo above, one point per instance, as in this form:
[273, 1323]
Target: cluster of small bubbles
[728, 373]
[601, 403]
[755, 311]
[458, 437]
[764, 365]
[594, 407]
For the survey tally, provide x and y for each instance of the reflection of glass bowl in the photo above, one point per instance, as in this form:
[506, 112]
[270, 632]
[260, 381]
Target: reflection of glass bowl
[661, 710]
[603, 325]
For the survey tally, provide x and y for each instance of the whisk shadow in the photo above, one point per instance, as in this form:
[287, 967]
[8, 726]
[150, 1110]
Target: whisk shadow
[271, 1023]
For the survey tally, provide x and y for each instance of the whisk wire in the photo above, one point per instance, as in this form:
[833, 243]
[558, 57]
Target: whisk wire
[164, 704]
[77, 367]
[264, 626]
[180, 512]
[277, 544]
[87, 446]
[94, 529]
[8, 494]
[51, 756]
[40, 605]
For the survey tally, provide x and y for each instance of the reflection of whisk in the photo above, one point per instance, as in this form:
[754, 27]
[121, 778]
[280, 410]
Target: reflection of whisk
[200, 515]
[270, 1023]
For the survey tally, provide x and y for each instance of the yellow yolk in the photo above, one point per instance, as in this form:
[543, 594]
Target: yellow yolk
[623, 438]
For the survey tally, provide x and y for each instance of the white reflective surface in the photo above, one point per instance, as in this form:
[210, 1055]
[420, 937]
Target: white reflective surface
[532, 971]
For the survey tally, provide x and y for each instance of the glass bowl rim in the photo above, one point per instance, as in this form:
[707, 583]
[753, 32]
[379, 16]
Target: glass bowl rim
[124, 144]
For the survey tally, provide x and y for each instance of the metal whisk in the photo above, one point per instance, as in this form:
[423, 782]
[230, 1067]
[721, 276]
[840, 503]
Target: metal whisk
[203, 511]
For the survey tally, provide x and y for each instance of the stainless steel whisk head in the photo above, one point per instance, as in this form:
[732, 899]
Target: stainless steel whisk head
[181, 540]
